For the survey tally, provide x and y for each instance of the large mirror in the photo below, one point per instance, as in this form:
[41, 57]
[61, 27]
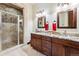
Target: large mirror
[41, 22]
[63, 22]
[67, 19]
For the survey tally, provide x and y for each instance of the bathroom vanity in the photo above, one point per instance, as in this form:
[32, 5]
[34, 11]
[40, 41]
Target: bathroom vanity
[55, 45]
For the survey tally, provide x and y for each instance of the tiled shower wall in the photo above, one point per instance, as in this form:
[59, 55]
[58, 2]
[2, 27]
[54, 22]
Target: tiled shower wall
[8, 37]
[4, 7]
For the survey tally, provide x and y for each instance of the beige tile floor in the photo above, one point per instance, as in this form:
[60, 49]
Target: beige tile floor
[25, 50]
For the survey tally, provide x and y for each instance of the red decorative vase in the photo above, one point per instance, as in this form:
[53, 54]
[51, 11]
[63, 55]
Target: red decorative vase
[54, 26]
[46, 26]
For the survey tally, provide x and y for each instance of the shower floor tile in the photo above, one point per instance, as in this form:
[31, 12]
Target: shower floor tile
[8, 45]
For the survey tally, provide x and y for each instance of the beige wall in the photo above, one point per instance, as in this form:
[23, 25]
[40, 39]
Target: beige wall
[28, 26]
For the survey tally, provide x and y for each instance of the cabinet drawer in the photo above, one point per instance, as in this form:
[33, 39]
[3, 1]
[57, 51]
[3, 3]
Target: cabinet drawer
[65, 42]
[57, 40]
[36, 36]
[46, 38]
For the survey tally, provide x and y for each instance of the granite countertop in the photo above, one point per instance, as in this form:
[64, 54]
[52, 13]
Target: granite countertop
[66, 37]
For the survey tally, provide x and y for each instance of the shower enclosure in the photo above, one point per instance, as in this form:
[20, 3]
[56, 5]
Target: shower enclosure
[9, 30]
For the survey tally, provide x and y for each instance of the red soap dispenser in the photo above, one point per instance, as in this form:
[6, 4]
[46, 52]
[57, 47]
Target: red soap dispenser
[46, 26]
[54, 26]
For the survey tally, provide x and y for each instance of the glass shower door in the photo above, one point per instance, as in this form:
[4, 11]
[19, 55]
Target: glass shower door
[9, 30]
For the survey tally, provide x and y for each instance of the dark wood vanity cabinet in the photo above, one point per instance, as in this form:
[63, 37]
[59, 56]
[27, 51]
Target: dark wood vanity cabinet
[33, 40]
[70, 51]
[64, 47]
[38, 44]
[58, 50]
[41, 43]
[36, 41]
[54, 46]
[46, 45]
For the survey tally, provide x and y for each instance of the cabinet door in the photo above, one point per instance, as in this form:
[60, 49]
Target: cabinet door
[58, 50]
[72, 51]
[46, 47]
[36, 41]
[38, 44]
[33, 41]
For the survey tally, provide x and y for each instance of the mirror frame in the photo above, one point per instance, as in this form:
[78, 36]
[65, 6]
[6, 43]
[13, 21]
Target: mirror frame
[74, 25]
